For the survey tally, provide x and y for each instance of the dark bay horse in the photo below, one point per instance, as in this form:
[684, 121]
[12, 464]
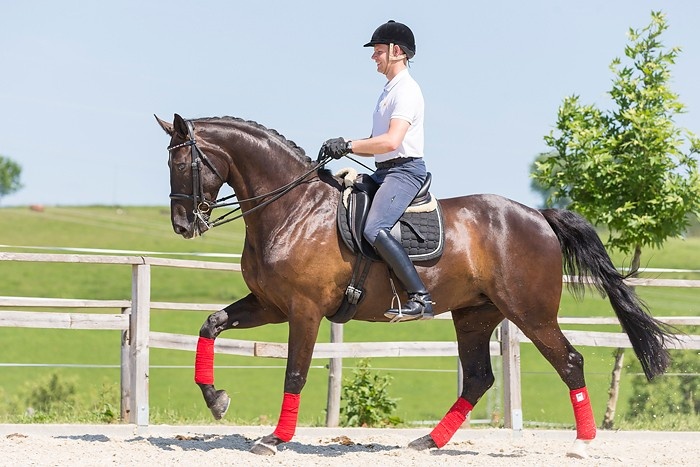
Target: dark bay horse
[501, 260]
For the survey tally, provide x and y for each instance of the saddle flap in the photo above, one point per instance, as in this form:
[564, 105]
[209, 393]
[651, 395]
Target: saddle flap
[420, 229]
[359, 204]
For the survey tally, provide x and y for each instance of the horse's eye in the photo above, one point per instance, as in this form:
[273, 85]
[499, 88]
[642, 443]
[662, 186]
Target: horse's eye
[181, 167]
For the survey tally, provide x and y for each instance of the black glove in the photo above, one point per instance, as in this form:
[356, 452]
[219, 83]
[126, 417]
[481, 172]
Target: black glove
[335, 148]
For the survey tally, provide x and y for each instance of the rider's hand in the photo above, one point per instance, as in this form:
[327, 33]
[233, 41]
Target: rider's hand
[335, 148]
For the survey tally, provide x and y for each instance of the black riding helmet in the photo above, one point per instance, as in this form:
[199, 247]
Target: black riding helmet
[392, 32]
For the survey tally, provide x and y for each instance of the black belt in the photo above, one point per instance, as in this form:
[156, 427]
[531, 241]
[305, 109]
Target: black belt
[394, 162]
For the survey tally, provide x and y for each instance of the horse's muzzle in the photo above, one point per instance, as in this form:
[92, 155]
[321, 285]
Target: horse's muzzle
[185, 231]
[188, 226]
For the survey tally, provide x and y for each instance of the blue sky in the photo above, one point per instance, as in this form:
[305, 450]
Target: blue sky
[80, 81]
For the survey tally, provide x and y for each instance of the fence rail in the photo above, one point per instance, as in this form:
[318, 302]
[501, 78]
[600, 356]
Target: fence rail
[137, 338]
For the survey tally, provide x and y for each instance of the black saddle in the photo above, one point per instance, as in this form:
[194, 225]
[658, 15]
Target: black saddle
[420, 229]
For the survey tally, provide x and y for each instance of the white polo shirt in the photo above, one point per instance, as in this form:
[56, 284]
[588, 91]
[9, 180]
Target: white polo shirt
[403, 99]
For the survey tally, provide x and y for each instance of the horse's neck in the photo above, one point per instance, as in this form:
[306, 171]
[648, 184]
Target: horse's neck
[259, 168]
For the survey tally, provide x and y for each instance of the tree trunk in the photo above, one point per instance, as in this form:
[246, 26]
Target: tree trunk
[636, 261]
[614, 391]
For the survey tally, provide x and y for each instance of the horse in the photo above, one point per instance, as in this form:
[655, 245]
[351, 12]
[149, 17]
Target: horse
[501, 260]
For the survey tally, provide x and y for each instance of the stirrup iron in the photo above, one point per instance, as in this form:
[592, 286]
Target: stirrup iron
[398, 317]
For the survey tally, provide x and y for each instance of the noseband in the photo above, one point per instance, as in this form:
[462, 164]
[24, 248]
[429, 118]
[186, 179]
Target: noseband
[203, 207]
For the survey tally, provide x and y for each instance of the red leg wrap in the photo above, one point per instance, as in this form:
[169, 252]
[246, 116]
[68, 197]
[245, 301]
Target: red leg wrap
[583, 412]
[288, 417]
[204, 361]
[450, 423]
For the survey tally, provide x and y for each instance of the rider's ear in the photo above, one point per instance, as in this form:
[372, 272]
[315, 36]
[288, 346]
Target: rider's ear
[167, 127]
[180, 126]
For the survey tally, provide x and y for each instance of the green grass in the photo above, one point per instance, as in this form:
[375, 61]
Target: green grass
[256, 392]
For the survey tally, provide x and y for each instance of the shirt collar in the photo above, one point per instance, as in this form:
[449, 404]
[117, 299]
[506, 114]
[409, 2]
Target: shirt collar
[401, 75]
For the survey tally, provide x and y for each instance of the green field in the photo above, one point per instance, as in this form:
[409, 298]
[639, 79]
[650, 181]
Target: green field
[426, 387]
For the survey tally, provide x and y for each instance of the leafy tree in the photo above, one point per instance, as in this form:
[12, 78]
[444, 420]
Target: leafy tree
[9, 176]
[631, 167]
[546, 193]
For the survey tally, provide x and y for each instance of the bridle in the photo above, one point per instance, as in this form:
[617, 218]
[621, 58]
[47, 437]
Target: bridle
[203, 207]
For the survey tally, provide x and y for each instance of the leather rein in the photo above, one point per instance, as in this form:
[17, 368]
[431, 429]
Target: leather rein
[203, 207]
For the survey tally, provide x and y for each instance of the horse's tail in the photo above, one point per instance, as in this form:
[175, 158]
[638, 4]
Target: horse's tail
[584, 255]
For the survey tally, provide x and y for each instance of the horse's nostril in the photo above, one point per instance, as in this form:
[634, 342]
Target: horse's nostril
[179, 229]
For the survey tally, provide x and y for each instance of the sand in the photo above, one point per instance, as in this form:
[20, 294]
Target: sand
[218, 445]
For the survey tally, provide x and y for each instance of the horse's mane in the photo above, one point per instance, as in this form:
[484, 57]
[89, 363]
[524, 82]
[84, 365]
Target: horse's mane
[296, 150]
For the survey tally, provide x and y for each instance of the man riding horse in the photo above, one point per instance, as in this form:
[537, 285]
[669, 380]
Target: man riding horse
[396, 144]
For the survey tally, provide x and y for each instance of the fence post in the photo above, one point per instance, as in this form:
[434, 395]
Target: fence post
[460, 378]
[125, 372]
[139, 329]
[510, 349]
[335, 378]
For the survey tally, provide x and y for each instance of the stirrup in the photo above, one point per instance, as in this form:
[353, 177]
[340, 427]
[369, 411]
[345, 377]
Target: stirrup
[397, 315]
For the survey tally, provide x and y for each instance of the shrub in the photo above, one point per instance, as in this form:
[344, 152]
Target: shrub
[676, 392]
[367, 401]
[52, 395]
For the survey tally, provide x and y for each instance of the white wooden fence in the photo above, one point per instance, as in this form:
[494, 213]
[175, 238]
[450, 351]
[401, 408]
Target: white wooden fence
[137, 338]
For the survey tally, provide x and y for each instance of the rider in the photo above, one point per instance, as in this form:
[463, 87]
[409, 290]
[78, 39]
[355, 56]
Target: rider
[396, 144]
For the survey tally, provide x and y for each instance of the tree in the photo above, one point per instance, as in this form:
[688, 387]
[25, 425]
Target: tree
[9, 176]
[630, 168]
[546, 193]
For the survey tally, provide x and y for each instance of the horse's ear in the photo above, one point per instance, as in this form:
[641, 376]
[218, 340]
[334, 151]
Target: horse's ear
[167, 127]
[180, 126]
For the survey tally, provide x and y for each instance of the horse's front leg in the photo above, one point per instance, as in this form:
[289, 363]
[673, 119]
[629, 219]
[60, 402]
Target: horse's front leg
[303, 331]
[248, 312]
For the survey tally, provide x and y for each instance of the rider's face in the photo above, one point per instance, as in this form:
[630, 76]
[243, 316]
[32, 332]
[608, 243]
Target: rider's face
[381, 57]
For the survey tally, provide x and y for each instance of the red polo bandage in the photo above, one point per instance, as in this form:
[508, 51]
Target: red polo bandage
[583, 412]
[288, 417]
[450, 423]
[204, 361]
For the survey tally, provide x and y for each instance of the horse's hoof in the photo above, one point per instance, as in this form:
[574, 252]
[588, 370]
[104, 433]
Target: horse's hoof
[579, 449]
[421, 444]
[263, 449]
[220, 405]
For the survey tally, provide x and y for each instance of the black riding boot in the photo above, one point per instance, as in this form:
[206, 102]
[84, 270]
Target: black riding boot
[419, 304]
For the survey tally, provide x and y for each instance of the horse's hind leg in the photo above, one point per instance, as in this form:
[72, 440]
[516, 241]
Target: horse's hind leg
[568, 363]
[474, 327]
[245, 313]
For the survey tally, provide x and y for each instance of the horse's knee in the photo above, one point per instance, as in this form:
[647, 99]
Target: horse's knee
[214, 324]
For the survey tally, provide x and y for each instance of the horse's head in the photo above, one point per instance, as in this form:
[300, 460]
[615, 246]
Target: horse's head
[195, 179]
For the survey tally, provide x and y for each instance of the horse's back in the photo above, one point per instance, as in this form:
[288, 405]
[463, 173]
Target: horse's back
[494, 214]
